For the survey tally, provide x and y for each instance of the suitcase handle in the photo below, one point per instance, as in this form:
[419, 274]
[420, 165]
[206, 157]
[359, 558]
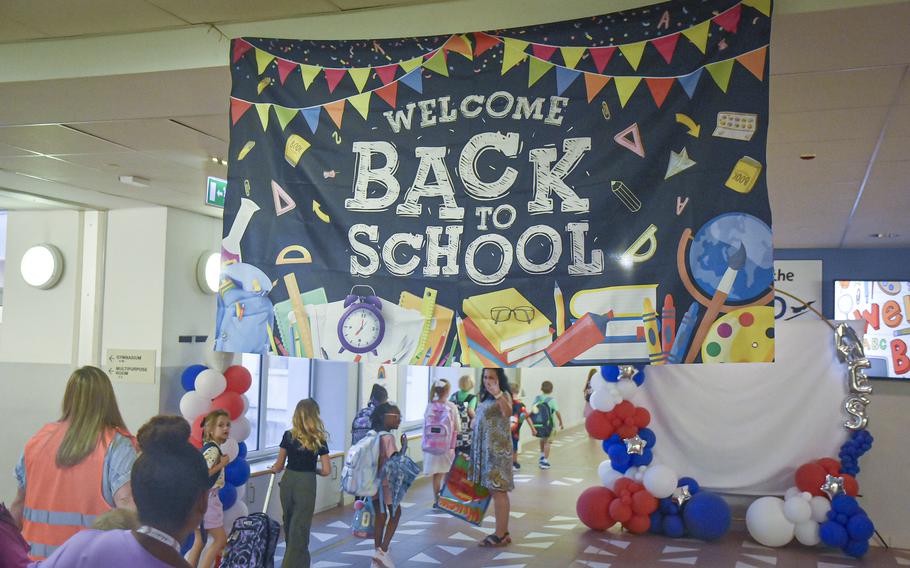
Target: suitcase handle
[268, 492]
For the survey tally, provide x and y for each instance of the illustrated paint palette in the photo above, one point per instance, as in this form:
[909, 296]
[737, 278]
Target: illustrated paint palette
[745, 335]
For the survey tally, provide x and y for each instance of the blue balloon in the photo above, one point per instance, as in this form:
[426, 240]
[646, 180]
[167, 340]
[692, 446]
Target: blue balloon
[644, 459]
[610, 373]
[615, 439]
[856, 548]
[188, 544]
[657, 521]
[639, 377]
[228, 495]
[648, 436]
[860, 527]
[693, 485]
[188, 378]
[619, 458]
[707, 516]
[673, 526]
[241, 454]
[833, 534]
[668, 507]
[237, 472]
[844, 504]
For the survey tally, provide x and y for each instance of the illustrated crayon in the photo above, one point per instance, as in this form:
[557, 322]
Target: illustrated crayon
[667, 324]
[683, 334]
[560, 309]
[656, 356]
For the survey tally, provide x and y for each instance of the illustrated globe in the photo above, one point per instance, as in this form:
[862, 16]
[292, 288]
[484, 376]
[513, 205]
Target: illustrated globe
[717, 240]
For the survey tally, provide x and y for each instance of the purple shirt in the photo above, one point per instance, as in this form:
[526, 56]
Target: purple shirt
[89, 549]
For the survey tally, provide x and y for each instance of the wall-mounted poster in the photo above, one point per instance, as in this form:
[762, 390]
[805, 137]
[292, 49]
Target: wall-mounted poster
[581, 192]
[801, 278]
[885, 306]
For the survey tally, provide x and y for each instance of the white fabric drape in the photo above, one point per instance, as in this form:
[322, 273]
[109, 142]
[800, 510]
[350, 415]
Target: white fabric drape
[745, 428]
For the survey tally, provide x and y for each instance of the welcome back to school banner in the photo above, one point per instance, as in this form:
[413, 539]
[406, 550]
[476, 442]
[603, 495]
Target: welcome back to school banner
[583, 192]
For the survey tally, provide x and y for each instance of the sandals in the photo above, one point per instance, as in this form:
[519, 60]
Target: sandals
[493, 541]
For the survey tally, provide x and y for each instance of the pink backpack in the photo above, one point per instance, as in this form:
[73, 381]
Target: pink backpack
[438, 434]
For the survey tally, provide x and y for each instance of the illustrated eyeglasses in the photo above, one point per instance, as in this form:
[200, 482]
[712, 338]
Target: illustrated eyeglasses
[502, 314]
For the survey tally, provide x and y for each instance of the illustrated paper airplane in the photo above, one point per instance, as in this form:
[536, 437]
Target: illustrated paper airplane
[678, 163]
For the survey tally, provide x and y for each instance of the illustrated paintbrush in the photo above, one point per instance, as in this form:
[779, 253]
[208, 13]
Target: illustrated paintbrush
[735, 263]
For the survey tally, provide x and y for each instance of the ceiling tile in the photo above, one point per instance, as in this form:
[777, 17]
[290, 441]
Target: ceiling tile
[357, 4]
[11, 30]
[54, 139]
[894, 149]
[899, 123]
[795, 172]
[61, 18]
[6, 150]
[221, 11]
[215, 125]
[809, 216]
[848, 150]
[155, 134]
[836, 124]
[159, 172]
[844, 89]
[883, 207]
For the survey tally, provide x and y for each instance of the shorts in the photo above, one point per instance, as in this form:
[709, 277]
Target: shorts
[514, 444]
[214, 513]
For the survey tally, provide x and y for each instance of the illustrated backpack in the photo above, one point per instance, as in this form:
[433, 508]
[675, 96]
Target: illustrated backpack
[205, 448]
[359, 476]
[542, 417]
[244, 310]
[463, 439]
[361, 424]
[364, 515]
[252, 543]
[437, 429]
[400, 471]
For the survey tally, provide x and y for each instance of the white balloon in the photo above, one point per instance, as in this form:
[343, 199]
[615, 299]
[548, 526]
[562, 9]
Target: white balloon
[241, 491]
[246, 404]
[605, 399]
[767, 524]
[807, 533]
[636, 473]
[210, 383]
[237, 510]
[607, 474]
[230, 448]
[193, 405]
[797, 510]
[626, 389]
[792, 492]
[820, 507]
[660, 480]
[597, 382]
[240, 429]
[217, 360]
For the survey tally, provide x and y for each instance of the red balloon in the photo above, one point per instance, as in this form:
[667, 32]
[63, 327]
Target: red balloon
[638, 524]
[598, 425]
[851, 487]
[592, 508]
[620, 511]
[626, 431]
[810, 477]
[624, 409]
[196, 443]
[196, 432]
[622, 484]
[238, 378]
[231, 402]
[643, 503]
[642, 417]
[832, 466]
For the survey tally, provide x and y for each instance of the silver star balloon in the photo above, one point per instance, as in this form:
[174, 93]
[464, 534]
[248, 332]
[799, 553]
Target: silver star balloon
[681, 495]
[635, 445]
[627, 371]
[833, 486]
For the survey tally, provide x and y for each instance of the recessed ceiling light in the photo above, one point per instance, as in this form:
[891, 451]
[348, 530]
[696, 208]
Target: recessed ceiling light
[807, 156]
[223, 162]
[138, 181]
[884, 235]
[215, 159]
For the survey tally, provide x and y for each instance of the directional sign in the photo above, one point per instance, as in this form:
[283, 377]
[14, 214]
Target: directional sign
[130, 365]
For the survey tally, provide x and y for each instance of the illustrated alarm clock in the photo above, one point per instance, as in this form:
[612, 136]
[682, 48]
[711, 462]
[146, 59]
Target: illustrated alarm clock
[361, 327]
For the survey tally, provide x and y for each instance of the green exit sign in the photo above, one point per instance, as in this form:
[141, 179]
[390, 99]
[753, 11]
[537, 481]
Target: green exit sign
[214, 191]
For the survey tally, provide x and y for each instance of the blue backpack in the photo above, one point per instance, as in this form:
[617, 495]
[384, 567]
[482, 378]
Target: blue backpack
[542, 417]
[401, 471]
[244, 310]
[362, 423]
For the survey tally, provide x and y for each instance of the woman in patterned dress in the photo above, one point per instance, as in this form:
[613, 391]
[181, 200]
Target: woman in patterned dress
[491, 452]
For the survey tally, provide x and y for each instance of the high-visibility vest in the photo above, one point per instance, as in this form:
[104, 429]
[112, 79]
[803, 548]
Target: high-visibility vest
[59, 502]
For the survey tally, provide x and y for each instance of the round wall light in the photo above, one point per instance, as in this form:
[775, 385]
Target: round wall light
[42, 266]
[208, 272]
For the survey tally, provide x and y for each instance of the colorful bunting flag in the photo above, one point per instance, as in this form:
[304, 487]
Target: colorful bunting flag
[459, 44]
[537, 69]
[238, 107]
[572, 55]
[387, 73]
[625, 86]
[754, 61]
[284, 68]
[483, 42]
[666, 46]
[690, 82]
[438, 63]
[659, 88]
[513, 53]
[389, 93]
[564, 78]
[698, 35]
[240, 48]
[763, 6]
[333, 77]
[729, 20]
[594, 83]
[360, 76]
[263, 110]
[336, 111]
[285, 115]
[361, 103]
[633, 52]
[414, 79]
[262, 60]
[601, 56]
[720, 72]
[311, 115]
[411, 64]
[308, 72]
[544, 52]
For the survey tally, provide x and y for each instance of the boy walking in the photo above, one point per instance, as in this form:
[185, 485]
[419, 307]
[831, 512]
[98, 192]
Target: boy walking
[544, 414]
[519, 415]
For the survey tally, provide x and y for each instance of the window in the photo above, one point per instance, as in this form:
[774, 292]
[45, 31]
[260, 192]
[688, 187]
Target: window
[252, 363]
[277, 387]
[415, 396]
[2, 257]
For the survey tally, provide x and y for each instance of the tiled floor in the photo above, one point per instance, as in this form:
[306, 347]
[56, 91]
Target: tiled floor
[547, 533]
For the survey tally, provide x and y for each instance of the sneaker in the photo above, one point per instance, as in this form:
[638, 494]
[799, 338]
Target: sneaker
[544, 464]
[516, 466]
[383, 559]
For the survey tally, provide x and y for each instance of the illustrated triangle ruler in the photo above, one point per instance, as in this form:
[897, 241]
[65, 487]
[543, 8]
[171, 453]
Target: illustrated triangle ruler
[634, 144]
[426, 311]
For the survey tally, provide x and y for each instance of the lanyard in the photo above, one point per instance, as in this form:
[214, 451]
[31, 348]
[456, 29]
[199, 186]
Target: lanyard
[160, 536]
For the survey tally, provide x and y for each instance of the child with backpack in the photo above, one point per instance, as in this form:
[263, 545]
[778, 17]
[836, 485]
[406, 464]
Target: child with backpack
[520, 415]
[301, 448]
[465, 402]
[386, 417]
[440, 428]
[362, 423]
[544, 414]
[216, 427]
